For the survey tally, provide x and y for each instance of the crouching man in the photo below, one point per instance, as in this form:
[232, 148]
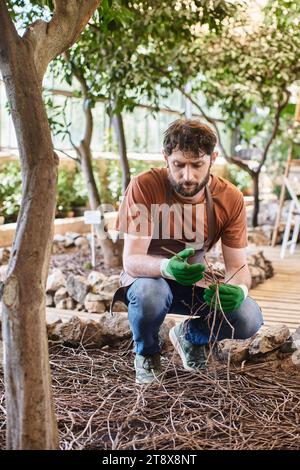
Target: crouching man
[170, 218]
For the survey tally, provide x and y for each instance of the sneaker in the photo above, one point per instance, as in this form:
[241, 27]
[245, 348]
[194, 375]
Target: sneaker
[192, 355]
[147, 368]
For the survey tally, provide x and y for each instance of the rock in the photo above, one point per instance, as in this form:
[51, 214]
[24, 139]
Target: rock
[267, 214]
[289, 346]
[114, 328]
[49, 300]
[271, 356]
[164, 340]
[96, 277]
[103, 295]
[70, 303]
[68, 242]
[260, 260]
[107, 288]
[68, 332]
[109, 285]
[82, 243]
[61, 304]
[108, 330]
[77, 287]
[59, 238]
[268, 267]
[4, 255]
[257, 275]
[58, 245]
[243, 350]
[237, 348]
[118, 306]
[79, 308]
[60, 294]
[269, 339]
[296, 337]
[3, 270]
[296, 358]
[52, 329]
[258, 236]
[72, 235]
[260, 268]
[66, 304]
[55, 281]
[94, 304]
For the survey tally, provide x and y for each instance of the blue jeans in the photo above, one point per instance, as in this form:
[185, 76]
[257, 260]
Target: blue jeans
[150, 299]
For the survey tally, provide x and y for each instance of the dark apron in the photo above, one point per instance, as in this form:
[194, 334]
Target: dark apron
[155, 247]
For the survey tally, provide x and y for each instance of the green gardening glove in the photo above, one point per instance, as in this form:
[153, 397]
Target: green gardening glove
[178, 269]
[231, 297]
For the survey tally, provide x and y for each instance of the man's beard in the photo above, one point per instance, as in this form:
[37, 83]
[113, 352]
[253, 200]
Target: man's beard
[185, 191]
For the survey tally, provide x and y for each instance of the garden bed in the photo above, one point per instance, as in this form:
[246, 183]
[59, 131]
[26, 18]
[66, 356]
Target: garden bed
[99, 406]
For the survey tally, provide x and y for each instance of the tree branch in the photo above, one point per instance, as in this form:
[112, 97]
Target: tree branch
[235, 160]
[53, 38]
[280, 107]
[7, 25]
[88, 130]
[208, 118]
[8, 32]
[67, 154]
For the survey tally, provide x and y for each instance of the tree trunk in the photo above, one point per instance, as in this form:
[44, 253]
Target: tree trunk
[120, 135]
[112, 252]
[30, 416]
[31, 421]
[234, 140]
[255, 178]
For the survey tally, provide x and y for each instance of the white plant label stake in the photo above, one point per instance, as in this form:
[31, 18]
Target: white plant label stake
[92, 218]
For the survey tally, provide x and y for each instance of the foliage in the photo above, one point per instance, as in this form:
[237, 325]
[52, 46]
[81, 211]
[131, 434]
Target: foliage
[140, 52]
[71, 189]
[112, 190]
[25, 12]
[124, 48]
[279, 150]
[249, 69]
[240, 178]
[246, 73]
[10, 191]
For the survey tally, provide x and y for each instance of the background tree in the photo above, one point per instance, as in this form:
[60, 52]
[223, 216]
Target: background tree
[23, 62]
[130, 38]
[241, 69]
[247, 75]
[122, 75]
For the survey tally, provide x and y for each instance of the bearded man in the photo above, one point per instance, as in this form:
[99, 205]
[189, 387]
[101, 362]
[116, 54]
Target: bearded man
[170, 217]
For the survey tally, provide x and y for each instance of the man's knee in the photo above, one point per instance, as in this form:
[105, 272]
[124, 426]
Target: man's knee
[249, 319]
[151, 295]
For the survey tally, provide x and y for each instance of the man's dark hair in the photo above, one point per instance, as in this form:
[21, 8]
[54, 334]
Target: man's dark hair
[189, 136]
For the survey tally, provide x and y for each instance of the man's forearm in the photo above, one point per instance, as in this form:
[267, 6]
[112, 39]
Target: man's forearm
[242, 277]
[143, 265]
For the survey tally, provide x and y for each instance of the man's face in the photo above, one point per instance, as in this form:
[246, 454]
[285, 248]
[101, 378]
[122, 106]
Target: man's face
[187, 174]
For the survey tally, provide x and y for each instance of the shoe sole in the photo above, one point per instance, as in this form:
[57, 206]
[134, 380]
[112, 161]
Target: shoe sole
[178, 348]
[155, 380]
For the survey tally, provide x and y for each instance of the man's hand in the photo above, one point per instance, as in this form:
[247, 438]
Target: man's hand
[231, 297]
[178, 269]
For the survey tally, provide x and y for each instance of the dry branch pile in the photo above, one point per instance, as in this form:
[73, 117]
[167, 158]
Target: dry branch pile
[99, 406]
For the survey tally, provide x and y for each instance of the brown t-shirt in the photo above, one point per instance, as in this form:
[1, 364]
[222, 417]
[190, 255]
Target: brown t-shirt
[151, 190]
